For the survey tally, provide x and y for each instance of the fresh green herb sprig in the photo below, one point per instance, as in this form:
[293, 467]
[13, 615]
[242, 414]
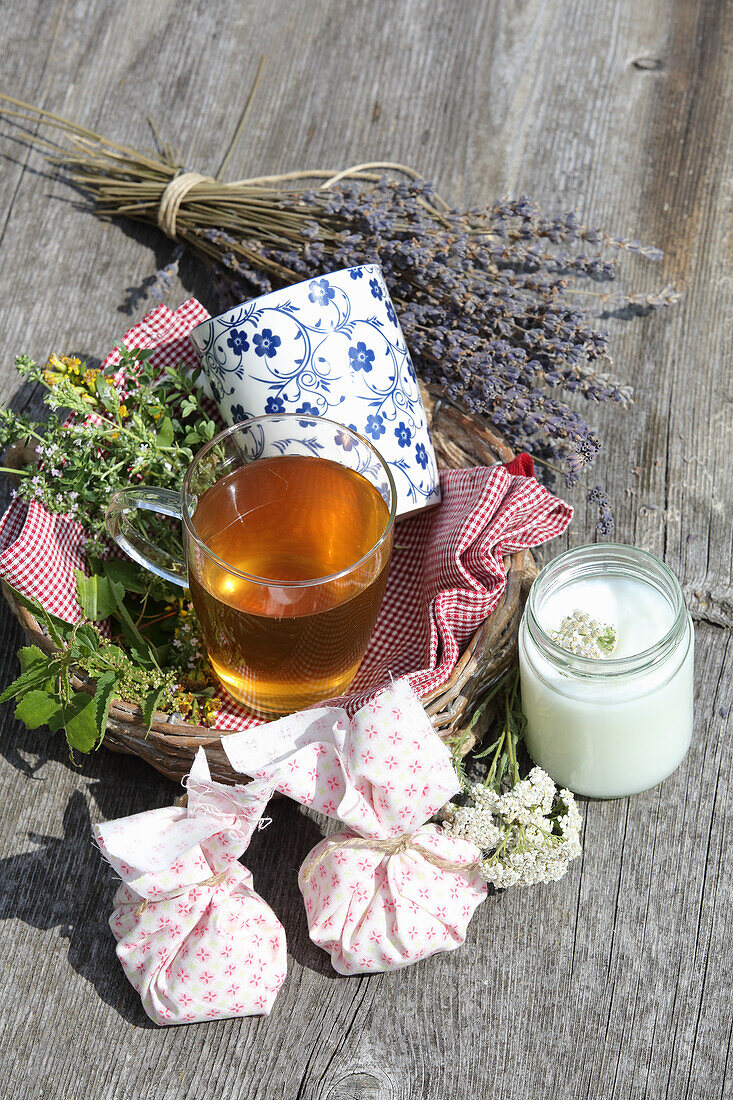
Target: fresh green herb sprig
[501, 753]
[500, 712]
[46, 694]
[102, 436]
[106, 430]
[129, 666]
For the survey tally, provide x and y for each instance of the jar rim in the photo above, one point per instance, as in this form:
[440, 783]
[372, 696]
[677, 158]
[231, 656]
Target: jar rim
[649, 568]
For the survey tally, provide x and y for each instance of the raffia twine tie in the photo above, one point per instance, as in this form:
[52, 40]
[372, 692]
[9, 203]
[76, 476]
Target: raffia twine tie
[214, 880]
[392, 847]
[173, 196]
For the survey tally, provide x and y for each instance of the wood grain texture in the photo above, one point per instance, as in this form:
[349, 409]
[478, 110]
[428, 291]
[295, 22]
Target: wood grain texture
[614, 983]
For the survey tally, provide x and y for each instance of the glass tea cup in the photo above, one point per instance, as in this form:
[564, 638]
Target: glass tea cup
[287, 527]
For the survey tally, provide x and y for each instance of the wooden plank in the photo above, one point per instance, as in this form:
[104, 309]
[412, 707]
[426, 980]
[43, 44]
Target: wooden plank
[614, 982]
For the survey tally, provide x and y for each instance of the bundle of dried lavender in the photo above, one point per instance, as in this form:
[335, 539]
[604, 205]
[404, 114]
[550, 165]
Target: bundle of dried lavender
[488, 298]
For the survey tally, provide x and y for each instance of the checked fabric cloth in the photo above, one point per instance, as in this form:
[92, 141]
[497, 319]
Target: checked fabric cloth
[447, 573]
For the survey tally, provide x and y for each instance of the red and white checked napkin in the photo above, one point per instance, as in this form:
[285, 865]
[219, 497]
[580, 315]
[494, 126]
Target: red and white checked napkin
[194, 938]
[447, 573]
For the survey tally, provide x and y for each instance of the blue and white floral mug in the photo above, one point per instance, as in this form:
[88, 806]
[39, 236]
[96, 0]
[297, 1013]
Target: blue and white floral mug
[331, 346]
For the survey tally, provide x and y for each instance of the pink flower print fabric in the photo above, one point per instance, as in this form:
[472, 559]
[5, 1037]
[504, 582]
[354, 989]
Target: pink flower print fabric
[373, 912]
[194, 938]
[383, 773]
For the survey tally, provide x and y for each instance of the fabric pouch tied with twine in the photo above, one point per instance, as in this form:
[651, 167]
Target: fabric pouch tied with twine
[389, 890]
[194, 938]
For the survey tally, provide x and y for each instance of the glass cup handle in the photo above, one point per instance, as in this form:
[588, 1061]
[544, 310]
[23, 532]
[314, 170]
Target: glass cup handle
[164, 501]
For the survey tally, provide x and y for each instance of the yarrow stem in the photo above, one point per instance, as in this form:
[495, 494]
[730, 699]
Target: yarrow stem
[526, 830]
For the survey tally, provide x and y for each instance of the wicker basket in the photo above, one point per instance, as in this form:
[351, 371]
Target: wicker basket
[459, 441]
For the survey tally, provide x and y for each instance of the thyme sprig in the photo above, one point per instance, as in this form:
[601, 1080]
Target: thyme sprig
[106, 430]
[137, 640]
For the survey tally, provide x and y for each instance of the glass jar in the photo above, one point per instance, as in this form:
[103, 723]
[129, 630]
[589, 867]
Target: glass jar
[612, 726]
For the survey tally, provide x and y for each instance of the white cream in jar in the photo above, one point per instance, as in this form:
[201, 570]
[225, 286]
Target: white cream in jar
[619, 724]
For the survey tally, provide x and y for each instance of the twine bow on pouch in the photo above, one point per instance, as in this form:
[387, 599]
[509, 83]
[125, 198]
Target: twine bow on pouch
[389, 889]
[194, 938]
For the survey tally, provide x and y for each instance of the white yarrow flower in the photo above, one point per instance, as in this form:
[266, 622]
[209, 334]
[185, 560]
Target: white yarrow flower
[529, 834]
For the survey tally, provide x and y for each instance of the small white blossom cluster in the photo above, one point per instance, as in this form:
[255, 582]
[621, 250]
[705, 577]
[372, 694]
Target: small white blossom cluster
[528, 835]
[581, 634]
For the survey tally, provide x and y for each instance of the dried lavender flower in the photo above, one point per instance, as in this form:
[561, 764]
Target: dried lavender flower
[487, 300]
[606, 523]
[496, 303]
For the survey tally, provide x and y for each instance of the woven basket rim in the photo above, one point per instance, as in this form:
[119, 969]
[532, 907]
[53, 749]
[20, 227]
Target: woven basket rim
[170, 745]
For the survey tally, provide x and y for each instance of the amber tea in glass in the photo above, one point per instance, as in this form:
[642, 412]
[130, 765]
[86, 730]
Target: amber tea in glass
[288, 533]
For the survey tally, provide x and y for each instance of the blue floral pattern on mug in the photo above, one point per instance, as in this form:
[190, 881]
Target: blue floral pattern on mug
[321, 293]
[361, 357]
[343, 439]
[403, 434]
[374, 426]
[238, 341]
[308, 410]
[331, 347]
[266, 343]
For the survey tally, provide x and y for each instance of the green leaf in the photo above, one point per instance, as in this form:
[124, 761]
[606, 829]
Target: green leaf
[96, 596]
[78, 719]
[150, 705]
[114, 653]
[36, 676]
[37, 708]
[128, 574]
[87, 639]
[165, 433]
[103, 697]
[107, 394]
[140, 648]
[30, 655]
[58, 629]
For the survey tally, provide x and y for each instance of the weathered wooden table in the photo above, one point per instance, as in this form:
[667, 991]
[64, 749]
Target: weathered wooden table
[617, 981]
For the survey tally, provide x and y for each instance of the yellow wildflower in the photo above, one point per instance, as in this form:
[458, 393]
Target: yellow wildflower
[90, 378]
[123, 411]
[50, 378]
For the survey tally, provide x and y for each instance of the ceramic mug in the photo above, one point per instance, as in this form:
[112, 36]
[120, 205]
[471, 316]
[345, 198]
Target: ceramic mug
[330, 346]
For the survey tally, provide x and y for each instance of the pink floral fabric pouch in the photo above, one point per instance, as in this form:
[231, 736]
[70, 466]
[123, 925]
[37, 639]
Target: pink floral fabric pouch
[194, 938]
[390, 889]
